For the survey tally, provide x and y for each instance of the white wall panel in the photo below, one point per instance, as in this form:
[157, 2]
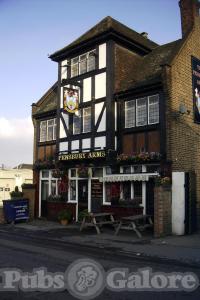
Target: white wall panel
[86, 143]
[62, 130]
[100, 142]
[102, 125]
[98, 109]
[87, 89]
[100, 85]
[64, 70]
[75, 145]
[178, 203]
[102, 56]
[66, 119]
[61, 97]
[64, 146]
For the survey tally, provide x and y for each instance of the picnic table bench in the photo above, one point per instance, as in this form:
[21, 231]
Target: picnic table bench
[136, 223]
[97, 220]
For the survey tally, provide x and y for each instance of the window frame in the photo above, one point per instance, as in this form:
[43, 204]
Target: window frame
[47, 128]
[136, 111]
[129, 109]
[83, 117]
[87, 55]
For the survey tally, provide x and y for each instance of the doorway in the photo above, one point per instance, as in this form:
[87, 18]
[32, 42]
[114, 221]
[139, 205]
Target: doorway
[82, 195]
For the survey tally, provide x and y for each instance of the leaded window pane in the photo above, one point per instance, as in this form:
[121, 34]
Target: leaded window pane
[153, 109]
[74, 67]
[130, 114]
[87, 119]
[141, 112]
[77, 123]
[83, 64]
[43, 131]
[91, 61]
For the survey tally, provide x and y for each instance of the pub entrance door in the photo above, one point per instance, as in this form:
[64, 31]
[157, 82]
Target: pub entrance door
[82, 195]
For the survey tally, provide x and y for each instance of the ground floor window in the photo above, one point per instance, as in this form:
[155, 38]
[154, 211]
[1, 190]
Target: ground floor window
[49, 184]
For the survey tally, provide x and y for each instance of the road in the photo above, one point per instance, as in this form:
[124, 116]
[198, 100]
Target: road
[28, 251]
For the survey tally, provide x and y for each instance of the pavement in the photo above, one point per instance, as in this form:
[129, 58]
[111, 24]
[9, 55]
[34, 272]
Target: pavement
[184, 250]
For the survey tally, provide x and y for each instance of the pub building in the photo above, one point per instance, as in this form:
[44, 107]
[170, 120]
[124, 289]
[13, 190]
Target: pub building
[122, 118]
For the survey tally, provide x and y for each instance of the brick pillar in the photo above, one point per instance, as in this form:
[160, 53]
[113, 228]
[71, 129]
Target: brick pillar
[29, 193]
[162, 211]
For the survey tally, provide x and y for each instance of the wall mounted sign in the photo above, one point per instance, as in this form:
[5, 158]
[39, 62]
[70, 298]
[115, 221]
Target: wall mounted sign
[196, 88]
[70, 100]
[83, 155]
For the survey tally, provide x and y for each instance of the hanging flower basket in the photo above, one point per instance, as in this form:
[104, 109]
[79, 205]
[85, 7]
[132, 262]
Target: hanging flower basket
[83, 172]
[163, 181]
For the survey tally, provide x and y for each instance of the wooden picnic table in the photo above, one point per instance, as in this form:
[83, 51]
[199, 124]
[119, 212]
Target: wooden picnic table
[97, 220]
[134, 223]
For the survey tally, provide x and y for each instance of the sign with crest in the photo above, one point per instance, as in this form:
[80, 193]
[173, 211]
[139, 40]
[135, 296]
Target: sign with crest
[70, 100]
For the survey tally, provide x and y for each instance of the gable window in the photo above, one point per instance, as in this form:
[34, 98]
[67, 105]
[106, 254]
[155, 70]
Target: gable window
[83, 63]
[142, 111]
[48, 130]
[153, 109]
[74, 66]
[130, 114]
[77, 123]
[87, 119]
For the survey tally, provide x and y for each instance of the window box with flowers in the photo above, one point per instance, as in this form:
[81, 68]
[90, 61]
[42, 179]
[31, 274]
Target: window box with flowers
[139, 157]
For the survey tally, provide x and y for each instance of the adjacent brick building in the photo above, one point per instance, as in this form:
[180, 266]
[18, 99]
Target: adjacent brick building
[133, 116]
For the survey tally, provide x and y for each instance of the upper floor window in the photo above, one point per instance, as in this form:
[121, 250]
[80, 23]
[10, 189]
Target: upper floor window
[48, 130]
[142, 111]
[77, 123]
[130, 114]
[82, 117]
[87, 119]
[83, 63]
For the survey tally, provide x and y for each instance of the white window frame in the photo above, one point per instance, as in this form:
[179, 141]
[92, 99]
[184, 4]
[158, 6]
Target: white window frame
[87, 54]
[149, 109]
[49, 179]
[130, 109]
[146, 105]
[46, 122]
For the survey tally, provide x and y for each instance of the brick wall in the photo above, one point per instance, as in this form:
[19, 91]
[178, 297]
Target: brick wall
[183, 139]
[125, 65]
[162, 211]
[29, 193]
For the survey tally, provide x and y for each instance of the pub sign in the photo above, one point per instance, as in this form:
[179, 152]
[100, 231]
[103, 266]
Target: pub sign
[196, 88]
[70, 100]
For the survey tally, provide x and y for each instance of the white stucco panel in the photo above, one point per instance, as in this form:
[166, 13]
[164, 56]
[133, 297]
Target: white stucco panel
[66, 119]
[100, 85]
[62, 130]
[87, 89]
[102, 56]
[86, 143]
[64, 146]
[63, 70]
[100, 142]
[61, 97]
[75, 145]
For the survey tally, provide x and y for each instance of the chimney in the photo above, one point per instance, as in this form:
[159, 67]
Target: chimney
[144, 34]
[189, 11]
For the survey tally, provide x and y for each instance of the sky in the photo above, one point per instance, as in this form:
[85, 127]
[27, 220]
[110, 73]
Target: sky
[30, 30]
